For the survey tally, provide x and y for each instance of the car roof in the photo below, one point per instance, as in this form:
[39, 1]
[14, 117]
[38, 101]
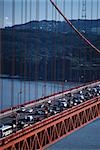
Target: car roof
[4, 127]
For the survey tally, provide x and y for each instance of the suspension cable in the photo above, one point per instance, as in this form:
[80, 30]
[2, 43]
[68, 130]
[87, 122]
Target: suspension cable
[72, 26]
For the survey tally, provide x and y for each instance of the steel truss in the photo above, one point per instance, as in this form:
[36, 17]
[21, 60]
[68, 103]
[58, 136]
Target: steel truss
[50, 130]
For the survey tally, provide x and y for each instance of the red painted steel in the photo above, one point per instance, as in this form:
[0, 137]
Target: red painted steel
[74, 28]
[48, 131]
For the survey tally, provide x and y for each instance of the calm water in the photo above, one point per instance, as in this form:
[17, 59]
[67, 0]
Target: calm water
[14, 91]
[87, 138]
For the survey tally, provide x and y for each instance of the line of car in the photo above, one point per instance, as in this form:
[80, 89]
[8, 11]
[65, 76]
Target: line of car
[24, 117]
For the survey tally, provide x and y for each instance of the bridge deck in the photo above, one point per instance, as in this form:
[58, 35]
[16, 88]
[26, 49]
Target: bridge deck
[51, 129]
[10, 111]
[54, 128]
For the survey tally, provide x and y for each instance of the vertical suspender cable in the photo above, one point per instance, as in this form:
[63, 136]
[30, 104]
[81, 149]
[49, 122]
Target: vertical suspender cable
[97, 31]
[71, 66]
[13, 53]
[59, 83]
[63, 56]
[36, 51]
[55, 51]
[1, 54]
[0, 57]
[91, 58]
[79, 72]
[46, 52]
[25, 54]
[79, 6]
[51, 63]
[29, 70]
[84, 46]
[30, 12]
[91, 12]
[21, 58]
[97, 16]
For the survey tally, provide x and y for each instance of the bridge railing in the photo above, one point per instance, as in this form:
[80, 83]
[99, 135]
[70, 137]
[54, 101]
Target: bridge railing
[90, 110]
[52, 96]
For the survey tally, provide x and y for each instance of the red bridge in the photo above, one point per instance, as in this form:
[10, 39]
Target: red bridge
[50, 130]
[45, 120]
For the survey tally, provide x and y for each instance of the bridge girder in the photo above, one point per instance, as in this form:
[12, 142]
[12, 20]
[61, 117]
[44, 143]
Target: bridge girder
[50, 130]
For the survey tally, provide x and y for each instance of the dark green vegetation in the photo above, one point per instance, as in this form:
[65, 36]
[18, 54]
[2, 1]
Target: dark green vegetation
[39, 54]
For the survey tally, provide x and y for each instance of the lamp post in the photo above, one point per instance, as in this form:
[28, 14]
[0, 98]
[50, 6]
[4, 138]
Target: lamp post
[19, 98]
[19, 104]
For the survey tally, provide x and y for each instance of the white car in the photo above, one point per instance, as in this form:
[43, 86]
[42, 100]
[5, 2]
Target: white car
[30, 110]
[21, 109]
[29, 118]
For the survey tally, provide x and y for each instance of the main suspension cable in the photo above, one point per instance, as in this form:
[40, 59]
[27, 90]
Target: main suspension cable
[72, 26]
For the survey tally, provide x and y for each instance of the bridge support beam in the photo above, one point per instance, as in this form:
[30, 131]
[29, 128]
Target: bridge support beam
[50, 130]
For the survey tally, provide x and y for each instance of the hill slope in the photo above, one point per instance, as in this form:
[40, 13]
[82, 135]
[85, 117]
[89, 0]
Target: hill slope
[38, 54]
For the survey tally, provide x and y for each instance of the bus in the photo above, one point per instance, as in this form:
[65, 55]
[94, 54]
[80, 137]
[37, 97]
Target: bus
[5, 130]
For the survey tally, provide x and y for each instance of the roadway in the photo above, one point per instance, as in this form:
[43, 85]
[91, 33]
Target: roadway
[35, 112]
[10, 112]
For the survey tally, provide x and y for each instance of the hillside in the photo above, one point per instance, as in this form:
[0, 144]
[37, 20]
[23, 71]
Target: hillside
[89, 26]
[35, 54]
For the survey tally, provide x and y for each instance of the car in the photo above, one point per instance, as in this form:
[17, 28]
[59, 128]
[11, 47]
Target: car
[21, 110]
[40, 105]
[75, 103]
[77, 100]
[87, 89]
[63, 104]
[22, 123]
[49, 101]
[29, 118]
[12, 124]
[98, 90]
[81, 92]
[71, 103]
[41, 112]
[29, 110]
[69, 94]
[94, 90]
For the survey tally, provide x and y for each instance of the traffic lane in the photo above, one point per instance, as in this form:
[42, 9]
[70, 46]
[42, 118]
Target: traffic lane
[8, 113]
[52, 109]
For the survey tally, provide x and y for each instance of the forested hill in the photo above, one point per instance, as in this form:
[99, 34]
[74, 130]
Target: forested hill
[46, 55]
[89, 26]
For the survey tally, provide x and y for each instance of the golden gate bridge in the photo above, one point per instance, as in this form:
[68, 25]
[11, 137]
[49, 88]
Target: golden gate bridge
[51, 117]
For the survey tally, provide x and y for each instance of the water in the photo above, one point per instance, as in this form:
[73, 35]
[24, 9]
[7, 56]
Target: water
[15, 91]
[87, 138]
